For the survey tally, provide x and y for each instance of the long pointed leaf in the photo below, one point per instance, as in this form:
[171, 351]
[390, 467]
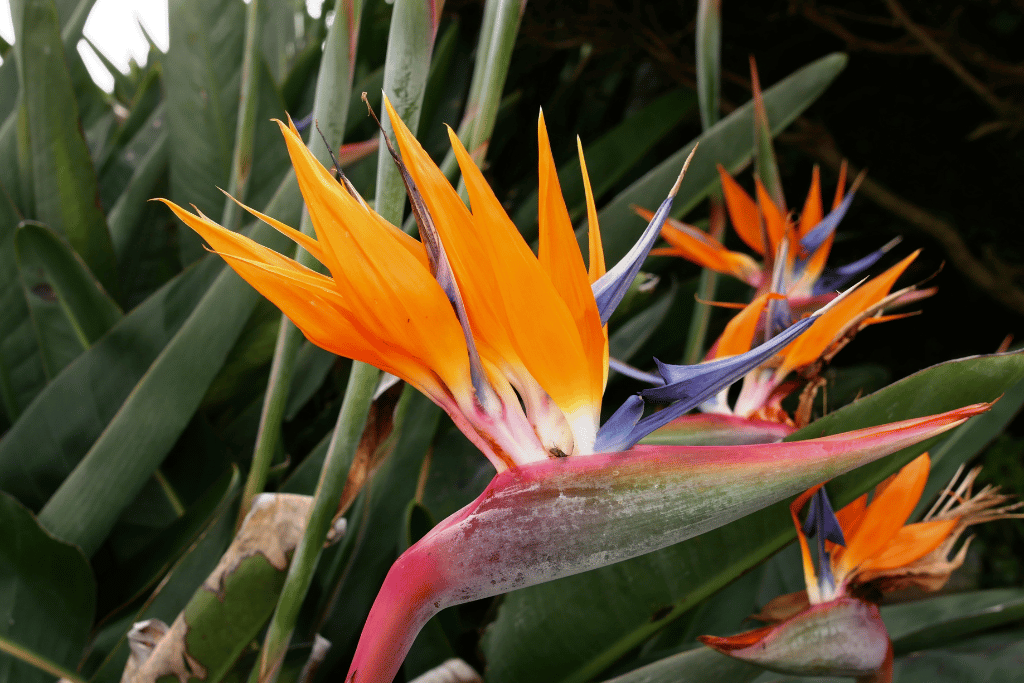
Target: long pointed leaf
[729, 142]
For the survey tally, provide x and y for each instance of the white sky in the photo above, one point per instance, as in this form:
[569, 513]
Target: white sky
[113, 26]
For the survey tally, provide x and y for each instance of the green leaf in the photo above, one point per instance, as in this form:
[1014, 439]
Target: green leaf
[109, 649]
[630, 335]
[729, 142]
[693, 666]
[202, 76]
[147, 567]
[708, 59]
[966, 443]
[986, 659]
[89, 501]
[63, 179]
[69, 308]
[49, 597]
[927, 624]
[575, 628]
[22, 374]
[55, 429]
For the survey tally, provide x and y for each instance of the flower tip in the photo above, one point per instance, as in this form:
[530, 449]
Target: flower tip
[682, 173]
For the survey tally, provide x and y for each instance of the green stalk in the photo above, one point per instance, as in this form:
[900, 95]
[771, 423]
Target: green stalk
[340, 453]
[493, 55]
[406, 66]
[330, 111]
[245, 129]
[410, 43]
[709, 47]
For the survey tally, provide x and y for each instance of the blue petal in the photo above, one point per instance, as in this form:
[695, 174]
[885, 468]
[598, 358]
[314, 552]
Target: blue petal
[837, 278]
[821, 519]
[817, 235]
[691, 385]
[821, 523]
[635, 373]
[611, 287]
[779, 315]
[617, 429]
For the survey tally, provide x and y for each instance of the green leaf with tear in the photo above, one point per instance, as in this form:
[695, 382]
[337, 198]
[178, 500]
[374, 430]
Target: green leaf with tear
[231, 606]
[69, 308]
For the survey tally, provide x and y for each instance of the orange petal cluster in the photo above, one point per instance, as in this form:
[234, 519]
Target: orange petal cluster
[532, 319]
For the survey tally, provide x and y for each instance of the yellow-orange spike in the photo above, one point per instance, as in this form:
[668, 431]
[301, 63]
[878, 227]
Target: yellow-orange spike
[738, 335]
[697, 246]
[809, 346]
[559, 255]
[886, 514]
[776, 224]
[910, 544]
[746, 219]
[596, 250]
[813, 211]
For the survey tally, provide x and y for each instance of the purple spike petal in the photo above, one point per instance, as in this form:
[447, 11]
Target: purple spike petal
[690, 385]
[611, 287]
[619, 426]
[779, 316]
[821, 519]
[837, 278]
[821, 523]
[635, 373]
[817, 235]
[303, 123]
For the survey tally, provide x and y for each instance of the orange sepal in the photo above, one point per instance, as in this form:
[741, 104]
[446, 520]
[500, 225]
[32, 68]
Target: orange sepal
[738, 335]
[775, 222]
[885, 516]
[910, 544]
[746, 220]
[697, 246]
[809, 346]
[595, 249]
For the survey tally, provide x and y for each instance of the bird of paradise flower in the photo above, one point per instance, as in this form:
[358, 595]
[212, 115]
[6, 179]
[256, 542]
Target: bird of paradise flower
[866, 550]
[513, 347]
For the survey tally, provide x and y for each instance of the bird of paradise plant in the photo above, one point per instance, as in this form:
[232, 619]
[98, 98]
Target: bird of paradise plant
[513, 347]
[864, 551]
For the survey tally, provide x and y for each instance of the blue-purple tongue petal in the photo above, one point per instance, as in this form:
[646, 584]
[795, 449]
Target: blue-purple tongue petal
[634, 373]
[617, 429]
[611, 287]
[817, 235]
[822, 524]
[837, 278]
[688, 386]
